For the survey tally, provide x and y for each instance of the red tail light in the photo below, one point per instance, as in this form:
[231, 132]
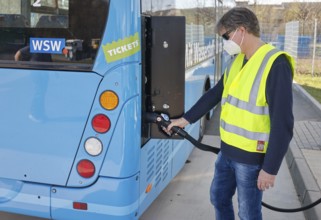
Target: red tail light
[101, 123]
[80, 205]
[86, 168]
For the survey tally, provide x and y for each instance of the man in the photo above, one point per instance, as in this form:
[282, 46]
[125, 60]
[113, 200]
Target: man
[24, 55]
[256, 123]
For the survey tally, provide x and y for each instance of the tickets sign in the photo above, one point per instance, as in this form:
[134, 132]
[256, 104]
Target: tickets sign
[122, 48]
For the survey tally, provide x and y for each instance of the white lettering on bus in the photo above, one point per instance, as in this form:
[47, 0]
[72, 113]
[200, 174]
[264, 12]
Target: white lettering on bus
[124, 48]
[37, 3]
[46, 45]
[194, 53]
[56, 45]
[37, 44]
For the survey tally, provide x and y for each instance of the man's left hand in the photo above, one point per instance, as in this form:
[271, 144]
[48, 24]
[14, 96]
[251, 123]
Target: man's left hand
[265, 180]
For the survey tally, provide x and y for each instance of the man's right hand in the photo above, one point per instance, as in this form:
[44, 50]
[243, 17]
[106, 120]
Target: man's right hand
[180, 122]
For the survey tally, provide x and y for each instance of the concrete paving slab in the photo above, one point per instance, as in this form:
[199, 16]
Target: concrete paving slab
[313, 158]
[313, 213]
[282, 195]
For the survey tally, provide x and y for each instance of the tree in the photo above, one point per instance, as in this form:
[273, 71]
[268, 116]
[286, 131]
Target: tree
[304, 12]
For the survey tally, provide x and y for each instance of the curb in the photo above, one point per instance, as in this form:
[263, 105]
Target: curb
[303, 179]
[314, 103]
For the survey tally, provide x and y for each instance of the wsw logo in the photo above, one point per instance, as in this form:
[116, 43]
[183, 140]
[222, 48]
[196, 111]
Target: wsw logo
[47, 45]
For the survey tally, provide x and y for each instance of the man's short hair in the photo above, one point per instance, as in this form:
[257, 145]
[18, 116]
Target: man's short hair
[237, 17]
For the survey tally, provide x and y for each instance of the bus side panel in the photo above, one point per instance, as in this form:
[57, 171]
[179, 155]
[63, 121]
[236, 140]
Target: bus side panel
[161, 160]
[108, 198]
[195, 81]
[156, 170]
[25, 198]
[182, 150]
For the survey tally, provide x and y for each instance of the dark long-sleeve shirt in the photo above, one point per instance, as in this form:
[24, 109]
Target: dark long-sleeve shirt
[280, 101]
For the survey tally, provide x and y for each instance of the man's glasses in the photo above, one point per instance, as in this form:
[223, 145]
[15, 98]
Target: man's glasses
[225, 35]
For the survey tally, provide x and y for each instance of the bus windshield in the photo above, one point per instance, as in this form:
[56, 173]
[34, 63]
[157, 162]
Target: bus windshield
[53, 32]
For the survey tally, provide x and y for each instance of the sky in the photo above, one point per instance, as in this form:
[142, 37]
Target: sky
[279, 1]
[191, 3]
[167, 4]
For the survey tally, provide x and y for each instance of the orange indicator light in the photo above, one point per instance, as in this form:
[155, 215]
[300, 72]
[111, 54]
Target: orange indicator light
[109, 100]
[149, 188]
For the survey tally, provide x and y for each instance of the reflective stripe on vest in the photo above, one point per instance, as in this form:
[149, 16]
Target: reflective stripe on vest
[245, 133]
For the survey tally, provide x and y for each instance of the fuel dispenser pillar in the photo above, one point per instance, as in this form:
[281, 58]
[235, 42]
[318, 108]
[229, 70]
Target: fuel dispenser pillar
[164, 69]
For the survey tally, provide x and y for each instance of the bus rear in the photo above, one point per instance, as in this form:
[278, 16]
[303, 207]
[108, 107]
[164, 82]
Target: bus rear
[76, 79]
[70, 115]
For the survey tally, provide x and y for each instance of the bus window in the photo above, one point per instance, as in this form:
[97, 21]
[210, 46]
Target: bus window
[13, 20]
[53, 32]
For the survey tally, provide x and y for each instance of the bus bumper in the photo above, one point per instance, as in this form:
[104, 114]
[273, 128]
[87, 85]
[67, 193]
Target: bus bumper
[24, 198]
[108, 198]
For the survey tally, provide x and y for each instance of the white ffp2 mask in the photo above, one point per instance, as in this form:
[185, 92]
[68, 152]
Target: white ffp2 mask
[231, 47]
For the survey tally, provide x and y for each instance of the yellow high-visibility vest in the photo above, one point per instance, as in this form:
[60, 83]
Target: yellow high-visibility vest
[245, 121]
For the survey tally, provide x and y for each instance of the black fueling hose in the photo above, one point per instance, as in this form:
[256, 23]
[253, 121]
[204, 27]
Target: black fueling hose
[162, 122]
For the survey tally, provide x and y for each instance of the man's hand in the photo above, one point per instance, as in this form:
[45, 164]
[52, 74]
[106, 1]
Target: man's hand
[181, 122]
[265, 180]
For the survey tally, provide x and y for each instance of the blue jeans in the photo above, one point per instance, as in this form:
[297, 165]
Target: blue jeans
[229, 177]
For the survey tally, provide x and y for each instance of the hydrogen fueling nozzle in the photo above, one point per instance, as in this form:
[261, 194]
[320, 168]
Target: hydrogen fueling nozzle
[163, 121]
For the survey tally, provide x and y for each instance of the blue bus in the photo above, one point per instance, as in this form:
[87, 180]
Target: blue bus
[76, 78]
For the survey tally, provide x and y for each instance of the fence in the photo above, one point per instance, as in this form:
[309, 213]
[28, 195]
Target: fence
[302, 40]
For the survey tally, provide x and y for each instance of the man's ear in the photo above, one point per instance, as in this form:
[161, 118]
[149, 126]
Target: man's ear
[242, 29]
